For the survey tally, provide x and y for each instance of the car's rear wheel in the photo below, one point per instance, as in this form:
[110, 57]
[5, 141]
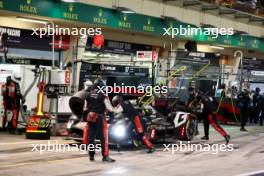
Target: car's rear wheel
[190, 129]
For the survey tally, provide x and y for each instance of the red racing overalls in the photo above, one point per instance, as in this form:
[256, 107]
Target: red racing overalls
[11, 95]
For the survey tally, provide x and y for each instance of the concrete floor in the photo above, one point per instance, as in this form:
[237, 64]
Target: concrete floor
[17, 158]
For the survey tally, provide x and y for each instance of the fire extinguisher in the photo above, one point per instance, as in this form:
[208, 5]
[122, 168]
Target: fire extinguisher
[85, 134]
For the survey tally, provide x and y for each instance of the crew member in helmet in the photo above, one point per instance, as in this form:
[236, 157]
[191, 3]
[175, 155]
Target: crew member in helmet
[12, 101]
[97, 104]
[256, 106]
[127, 108]
[191, 97]
[244, 101]
[208, 111]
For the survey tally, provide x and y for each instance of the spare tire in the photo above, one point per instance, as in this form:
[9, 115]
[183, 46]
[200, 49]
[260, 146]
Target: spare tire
[76, 103]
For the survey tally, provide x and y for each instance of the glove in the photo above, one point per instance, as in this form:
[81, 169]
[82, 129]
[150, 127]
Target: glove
[92, 117]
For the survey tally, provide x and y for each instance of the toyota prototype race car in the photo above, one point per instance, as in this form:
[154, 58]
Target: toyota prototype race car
[122, 131]
[180, 125]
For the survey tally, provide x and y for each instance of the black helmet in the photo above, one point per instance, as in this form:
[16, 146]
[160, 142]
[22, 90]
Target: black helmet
[116, 100]
[99, 82]
[200, 95]
[191, 89]
[257, 89]
[223, 86]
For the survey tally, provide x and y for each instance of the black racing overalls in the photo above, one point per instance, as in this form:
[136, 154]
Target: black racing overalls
[243, 104]
[97, 125]
[134, 116]
[210, 117]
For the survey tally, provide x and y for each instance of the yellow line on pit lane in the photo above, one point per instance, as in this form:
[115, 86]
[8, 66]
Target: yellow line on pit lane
[35, 162]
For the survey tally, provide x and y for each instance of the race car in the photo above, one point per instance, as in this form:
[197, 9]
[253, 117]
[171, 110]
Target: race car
[122, 132]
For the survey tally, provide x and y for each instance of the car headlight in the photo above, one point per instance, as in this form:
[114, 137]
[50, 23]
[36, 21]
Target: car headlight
[120, 131]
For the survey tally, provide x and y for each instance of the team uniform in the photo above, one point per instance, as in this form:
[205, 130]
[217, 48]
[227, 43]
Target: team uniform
[11, 100]
[261, 104]
[208, 109]
[97, 104]
[244, 105]
[256, 108]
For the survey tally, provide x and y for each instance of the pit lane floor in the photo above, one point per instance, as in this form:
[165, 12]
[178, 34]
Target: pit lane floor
[17, 158]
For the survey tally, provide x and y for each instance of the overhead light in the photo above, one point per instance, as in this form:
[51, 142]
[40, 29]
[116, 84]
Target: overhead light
[69, 1]
[204, 25]
[216, 47]
[241, 32]
[32, 20]
[123, 9]
[169, 18]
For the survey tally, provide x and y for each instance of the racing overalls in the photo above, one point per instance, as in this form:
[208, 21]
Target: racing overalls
[4, 95]
[210, 118]
[97, 104]
[256, 108]
[128, 110]
[261, 104]
[244, 104]
[11, 96]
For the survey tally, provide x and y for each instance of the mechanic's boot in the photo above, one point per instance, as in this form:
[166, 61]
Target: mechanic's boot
[3, 129]
[205, 138]
[227, 138]
[151, 150]
[243, 129]
[107, 159]
[92, 158]
[11, 131]
[17, 132]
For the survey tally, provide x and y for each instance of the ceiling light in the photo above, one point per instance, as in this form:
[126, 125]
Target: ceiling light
[216, 47]
[241, 32]
[169, 18]
[123, 9]
[32, 20]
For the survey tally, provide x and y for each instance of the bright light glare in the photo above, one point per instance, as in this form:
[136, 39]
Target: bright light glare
[120, 131]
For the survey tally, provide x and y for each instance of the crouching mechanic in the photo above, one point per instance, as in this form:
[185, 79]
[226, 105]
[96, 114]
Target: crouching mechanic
[127, 109]
[96, 104]
[207, 107]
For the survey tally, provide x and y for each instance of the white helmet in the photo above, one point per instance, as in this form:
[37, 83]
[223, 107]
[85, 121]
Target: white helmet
[87, 84]
[16, 77]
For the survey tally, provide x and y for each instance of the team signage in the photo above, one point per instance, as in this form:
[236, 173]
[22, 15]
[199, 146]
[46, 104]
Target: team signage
[114, 19]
